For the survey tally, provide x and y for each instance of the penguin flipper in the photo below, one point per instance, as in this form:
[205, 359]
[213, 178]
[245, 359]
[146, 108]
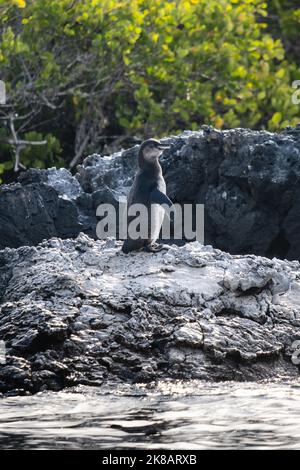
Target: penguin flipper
[157, 197]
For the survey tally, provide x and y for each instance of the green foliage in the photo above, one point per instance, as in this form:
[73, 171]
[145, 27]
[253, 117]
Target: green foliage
[284, 19]
[33, 156]
[143, 68]
[42, 156]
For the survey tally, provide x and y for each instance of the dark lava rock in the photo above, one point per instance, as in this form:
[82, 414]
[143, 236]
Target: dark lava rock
[248, 181]
[81, 312]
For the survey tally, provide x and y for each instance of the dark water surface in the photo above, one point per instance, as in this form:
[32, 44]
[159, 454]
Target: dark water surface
[171, 415]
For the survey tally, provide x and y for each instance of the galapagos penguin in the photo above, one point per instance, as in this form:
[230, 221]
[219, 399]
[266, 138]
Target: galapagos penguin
[149, 189]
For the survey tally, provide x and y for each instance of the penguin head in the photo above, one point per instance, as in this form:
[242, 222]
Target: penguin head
[150, 150]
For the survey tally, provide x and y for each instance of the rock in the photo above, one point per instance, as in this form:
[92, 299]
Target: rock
[247, 180]
[79, 311]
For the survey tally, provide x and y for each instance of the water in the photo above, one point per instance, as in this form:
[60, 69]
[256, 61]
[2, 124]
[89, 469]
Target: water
[170, 415]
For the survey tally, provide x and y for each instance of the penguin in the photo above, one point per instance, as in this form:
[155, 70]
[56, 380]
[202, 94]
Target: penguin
[149, 189]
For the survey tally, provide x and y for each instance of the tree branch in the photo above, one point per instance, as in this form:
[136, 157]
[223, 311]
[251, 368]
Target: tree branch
[19, 144]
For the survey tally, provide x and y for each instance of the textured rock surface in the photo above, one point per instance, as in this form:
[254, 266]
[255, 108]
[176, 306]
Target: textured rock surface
[81, 312]
[248, 181]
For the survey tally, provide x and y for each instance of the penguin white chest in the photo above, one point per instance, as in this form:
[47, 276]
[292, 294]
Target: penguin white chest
[157, 217]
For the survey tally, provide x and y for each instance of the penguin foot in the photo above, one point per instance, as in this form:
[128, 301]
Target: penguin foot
[155, 248]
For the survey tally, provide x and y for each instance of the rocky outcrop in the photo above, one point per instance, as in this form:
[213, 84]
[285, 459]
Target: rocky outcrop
[81, 312]
[248, 181]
